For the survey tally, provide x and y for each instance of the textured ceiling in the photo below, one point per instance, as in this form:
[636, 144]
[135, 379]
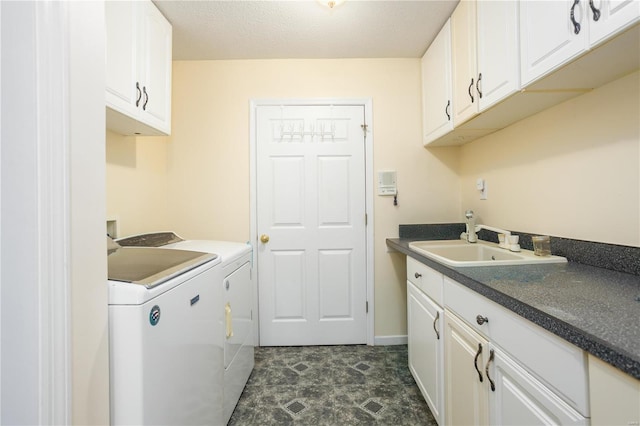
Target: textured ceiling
[239, 29]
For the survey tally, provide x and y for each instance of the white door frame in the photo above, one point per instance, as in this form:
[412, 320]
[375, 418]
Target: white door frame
[368, 110]
[36, 217]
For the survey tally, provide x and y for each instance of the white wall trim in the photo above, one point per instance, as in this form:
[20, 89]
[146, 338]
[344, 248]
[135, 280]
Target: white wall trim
[391, 340]
[368, 112]
[36, 355]
[53, 212]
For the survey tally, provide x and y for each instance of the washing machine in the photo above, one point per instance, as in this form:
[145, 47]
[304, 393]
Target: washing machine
[236, 284]
[165, 353]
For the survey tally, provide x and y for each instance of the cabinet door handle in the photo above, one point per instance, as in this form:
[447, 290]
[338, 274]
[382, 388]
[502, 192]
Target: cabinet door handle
[475, 360]
[594, 9]
[417, 275]
[146, 98]
[478, 87]
[486, 370]
[576, 25]
[471, 87]
[446, 110]
[435, 322]
[481, 320]
[139, 94]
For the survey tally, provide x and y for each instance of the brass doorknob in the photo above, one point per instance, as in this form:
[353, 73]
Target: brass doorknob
[264, 238]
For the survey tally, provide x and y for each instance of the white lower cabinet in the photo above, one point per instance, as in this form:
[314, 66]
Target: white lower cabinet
[478, 363]
[516, 397]
[484, 385]
[425, 336]
[466, 397]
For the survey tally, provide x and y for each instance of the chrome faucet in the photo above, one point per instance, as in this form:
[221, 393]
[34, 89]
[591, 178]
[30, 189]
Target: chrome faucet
[471, 227]
[472, 230]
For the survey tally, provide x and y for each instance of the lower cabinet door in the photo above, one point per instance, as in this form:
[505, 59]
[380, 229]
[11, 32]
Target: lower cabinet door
[517, 398]
[425, 335]
[466, 391]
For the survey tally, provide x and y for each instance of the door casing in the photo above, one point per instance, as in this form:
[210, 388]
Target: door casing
[368, 108]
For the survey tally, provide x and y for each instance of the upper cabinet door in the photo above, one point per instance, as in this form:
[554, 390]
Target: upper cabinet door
[606, 17]
[498, 51]
[121, 50]
[138, 68]
[464, 62]
[157, 75]
[551, 34]
[436, 87]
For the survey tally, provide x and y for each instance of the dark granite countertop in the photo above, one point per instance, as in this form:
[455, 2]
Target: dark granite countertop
[593, 308]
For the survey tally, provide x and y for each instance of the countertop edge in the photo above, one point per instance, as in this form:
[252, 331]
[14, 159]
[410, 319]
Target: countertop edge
[599, 348]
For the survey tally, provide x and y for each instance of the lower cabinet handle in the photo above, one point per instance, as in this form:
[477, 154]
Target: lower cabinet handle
[435, 322]
[475, 360]
[486, 370]
[417, 275]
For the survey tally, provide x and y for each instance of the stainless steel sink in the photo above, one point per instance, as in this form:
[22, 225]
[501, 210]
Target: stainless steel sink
[461, 253]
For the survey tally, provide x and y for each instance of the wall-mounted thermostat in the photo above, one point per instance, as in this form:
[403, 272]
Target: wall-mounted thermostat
[387, 183]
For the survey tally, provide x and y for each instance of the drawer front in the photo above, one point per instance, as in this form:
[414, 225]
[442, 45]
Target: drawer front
[557, 363]
[426, 279]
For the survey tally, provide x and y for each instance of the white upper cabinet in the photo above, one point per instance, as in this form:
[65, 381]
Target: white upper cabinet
[606, 17]
[436, 87]
[551, 34]
[554, 33]
[485, 60]
[511, 59]
[464, 62]
[498, 51]
[138, 68]
[122, 60]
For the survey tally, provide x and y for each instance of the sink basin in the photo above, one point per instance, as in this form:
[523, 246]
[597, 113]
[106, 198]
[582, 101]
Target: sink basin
[461, 253]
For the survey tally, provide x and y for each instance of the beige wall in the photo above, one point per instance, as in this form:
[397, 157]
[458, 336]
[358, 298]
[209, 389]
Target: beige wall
[209, 151]
[561, 172]
[206, 185]
[571, 171]
[136, 176]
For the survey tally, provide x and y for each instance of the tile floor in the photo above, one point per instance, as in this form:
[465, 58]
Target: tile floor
[331, 385]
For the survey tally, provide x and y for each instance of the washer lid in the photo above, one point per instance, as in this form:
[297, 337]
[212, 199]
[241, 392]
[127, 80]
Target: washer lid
[149, 266]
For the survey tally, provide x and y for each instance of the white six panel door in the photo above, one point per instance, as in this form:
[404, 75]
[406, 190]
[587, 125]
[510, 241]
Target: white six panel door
[311, 206]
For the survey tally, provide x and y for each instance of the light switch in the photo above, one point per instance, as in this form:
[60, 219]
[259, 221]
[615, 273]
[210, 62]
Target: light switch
[481, 185]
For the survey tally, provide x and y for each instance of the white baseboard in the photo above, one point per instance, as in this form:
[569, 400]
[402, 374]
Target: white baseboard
[390, 340]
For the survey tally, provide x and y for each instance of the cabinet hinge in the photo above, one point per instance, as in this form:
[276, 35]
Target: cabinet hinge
[367, 307]
[366, 219]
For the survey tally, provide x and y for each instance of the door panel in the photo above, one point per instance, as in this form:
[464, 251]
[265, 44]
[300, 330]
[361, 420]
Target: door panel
[288, 293]
[335, 284]
[311, 205]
